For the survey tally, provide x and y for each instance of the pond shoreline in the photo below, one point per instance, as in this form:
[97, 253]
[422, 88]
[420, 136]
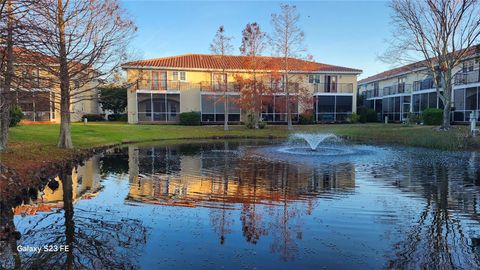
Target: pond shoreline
[33, 160]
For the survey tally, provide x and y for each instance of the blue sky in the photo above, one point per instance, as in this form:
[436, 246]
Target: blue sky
[346, 33]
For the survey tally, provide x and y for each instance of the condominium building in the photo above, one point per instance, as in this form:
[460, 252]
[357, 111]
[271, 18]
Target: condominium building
[410, 89]
[37, 93]
[162, 88]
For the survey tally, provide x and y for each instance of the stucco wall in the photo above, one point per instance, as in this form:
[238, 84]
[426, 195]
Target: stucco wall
[190, 97]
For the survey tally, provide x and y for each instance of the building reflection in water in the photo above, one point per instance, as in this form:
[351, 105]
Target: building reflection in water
[437, 237]
[271, 197]
[426, 211]
[91, 239]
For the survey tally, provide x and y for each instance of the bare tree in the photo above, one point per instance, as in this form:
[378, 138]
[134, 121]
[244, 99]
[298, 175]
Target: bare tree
[252, 87]
[442, 32]
[11, 12]
[221, 46]
[287, 42]
[84, 41]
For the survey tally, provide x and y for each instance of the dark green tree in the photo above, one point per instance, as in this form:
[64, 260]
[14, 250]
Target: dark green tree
[113, 98]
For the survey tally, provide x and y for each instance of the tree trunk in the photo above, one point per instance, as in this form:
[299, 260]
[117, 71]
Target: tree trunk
[287, 96]
[5, 89]
[446, 116]
[65, 138]
[447, 94]
[225, 121]
[67, 181]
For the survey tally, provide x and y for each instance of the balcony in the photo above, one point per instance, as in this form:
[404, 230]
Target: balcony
[332, 88]
[423, 85]
[395, 89]
[166, 85]
[205, 86]
[466, 77]
[208, 86]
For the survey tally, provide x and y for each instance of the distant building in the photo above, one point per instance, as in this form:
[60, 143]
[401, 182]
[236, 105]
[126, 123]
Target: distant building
[34, 90]
[164, 87]
[410, 89]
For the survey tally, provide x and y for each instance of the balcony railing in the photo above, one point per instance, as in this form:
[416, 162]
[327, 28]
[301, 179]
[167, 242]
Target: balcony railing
[208, 86]
[466, 77]
[332, 88]
[371, 93]
[423, 85]
[166, 85]
[37, 116]
[400, 88]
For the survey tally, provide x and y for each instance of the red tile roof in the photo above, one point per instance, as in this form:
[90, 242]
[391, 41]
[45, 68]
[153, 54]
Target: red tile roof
[407, 68]
[214, 62]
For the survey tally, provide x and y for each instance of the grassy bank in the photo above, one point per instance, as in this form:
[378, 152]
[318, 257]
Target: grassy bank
[32, 145]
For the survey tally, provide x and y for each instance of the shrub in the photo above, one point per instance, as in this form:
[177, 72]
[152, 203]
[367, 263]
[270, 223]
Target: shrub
[262, 124]
[414, 118]
[93, 117]
[190, 118]
[432, 116]
[353, 118]
[118, 117]
[250, 123]
[372, 116]
[366, 115]
[16, 116]
[306, 118]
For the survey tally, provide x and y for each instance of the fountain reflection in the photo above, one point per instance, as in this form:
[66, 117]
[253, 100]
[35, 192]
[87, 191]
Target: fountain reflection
[225, 201]
[166, 176]
[272, 197]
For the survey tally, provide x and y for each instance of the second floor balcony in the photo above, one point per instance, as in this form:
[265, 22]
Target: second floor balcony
[401, 88]
[466, 77]
[332, 88]
[395, 89]
[211, 86]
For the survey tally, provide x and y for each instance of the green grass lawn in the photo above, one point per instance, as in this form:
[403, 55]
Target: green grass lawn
[98, 134]
[32, 146]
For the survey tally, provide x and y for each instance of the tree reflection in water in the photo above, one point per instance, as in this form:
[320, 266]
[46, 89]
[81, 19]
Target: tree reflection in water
[95, 239]
[272, 198]
[436, 238]
[408, 212]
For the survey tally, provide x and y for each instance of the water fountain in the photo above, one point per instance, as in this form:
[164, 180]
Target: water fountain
[314, 139]
[313, 147]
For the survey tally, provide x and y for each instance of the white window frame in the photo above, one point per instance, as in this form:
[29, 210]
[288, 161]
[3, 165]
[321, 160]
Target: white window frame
[184, 76]
[314, 78]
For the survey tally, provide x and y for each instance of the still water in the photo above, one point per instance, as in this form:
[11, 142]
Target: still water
[250, 205]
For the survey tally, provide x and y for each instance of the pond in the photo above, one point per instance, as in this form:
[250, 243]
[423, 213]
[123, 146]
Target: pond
[250, 204]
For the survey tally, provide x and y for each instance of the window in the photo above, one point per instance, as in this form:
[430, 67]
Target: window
[314, 78]
[417, 85]
[468, 66]
[333, 108]
[471, 99]
[158, 107]
[459, 99]
[213, 108]
[432, 100]
[179, 76]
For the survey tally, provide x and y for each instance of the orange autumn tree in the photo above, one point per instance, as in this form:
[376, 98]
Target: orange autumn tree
[299, 97]
[252, 84]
